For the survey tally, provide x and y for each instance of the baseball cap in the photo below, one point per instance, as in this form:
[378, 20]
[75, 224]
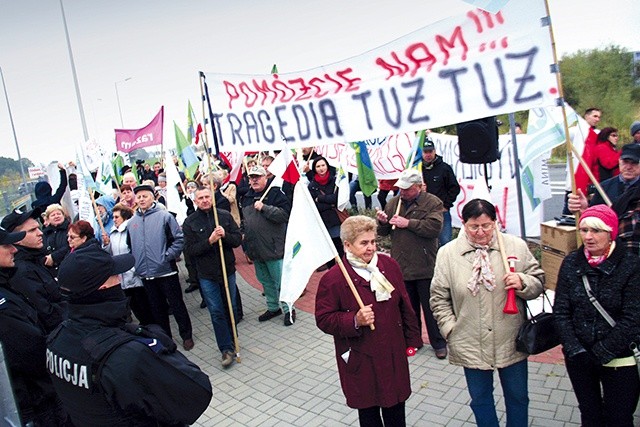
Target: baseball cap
[87, 268]
[19, 217]
[7, 238]
[257, 170]
[428, 145]
[408, 178]
[631, 152]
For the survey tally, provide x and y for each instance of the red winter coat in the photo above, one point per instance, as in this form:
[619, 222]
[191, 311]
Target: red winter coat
[606, 160]
[377, 373]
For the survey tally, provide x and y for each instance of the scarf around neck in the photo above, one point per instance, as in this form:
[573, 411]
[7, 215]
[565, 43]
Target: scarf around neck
[597, 260]
[482, 271]
[379, 284]
[321, 179]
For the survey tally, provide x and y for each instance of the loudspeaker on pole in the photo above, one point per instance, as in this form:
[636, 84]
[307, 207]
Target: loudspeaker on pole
[478, 141]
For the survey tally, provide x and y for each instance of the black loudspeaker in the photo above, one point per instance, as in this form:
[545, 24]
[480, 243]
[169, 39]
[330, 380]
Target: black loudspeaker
[478, 141]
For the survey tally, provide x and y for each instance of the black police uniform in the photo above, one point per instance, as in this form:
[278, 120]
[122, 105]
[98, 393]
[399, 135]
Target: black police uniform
[111, 374]
[24, 342]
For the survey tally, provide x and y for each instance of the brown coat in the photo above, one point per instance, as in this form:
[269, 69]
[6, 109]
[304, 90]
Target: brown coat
[377, 373]
[415, 247]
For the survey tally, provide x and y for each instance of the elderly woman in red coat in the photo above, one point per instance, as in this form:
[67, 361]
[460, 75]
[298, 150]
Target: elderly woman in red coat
[373, 366]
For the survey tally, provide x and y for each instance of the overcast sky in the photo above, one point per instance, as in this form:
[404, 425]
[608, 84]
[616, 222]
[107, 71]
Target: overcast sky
[161, 45]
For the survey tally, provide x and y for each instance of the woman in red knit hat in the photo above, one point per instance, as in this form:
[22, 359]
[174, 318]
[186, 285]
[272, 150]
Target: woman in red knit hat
[597, 351]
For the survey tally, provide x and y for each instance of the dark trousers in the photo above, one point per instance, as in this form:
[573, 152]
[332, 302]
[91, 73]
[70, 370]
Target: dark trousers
[191, 269]
[607, 397]
[164, 292]
[139, 303]
[419, 292]
[393, 416]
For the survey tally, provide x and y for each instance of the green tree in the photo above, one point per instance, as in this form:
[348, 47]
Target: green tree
[602, 78]
[8, 165]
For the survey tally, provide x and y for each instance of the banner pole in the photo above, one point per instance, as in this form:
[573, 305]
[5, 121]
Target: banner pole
[514, 143]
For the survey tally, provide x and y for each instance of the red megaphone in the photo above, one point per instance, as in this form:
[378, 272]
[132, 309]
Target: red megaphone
[510, 307]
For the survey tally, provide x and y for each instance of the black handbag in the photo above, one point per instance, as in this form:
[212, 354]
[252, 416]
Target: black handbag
[537, 334]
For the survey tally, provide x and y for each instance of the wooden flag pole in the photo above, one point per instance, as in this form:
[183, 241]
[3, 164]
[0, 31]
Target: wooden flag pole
[351, 286]
[216, 221]
[570, 147]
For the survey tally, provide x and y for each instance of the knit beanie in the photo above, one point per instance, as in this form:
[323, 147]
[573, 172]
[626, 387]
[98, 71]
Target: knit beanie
[605, 214]
[635, 127]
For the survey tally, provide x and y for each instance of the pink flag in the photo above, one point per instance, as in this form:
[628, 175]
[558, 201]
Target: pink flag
[128, 140]
[283, 166]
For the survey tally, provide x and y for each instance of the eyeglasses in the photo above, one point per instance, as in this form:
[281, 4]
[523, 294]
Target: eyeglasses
[614, 135]
[475, 227]
[72, 237]
[255, 177]
[585, 230]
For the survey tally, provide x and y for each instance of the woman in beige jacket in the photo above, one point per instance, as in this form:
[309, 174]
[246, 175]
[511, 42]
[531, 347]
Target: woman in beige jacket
[468, 294]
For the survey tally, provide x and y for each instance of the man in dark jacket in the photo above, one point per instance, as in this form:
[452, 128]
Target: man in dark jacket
[110, 373]
[414, 244]
[201, 244]
[265, 229]
[43, 189]
[24, 343]
[442, 183]
[33, 280]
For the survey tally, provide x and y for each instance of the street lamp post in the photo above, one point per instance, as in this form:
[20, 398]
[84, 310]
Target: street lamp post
[118, 98]
[13, 128]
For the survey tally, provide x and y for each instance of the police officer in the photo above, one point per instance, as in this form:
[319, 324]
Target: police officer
[23, 340]
[107, 372]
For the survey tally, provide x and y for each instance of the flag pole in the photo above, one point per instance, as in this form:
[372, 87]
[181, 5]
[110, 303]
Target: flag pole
[570, 148]
[216, 221]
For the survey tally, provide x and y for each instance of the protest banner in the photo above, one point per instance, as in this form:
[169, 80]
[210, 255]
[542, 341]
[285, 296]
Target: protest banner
[470, 66]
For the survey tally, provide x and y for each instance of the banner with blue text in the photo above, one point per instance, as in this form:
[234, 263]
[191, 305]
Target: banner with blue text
[465, 67]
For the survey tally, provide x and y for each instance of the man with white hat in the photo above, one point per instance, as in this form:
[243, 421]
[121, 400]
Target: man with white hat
[265, 228]
[414, 244]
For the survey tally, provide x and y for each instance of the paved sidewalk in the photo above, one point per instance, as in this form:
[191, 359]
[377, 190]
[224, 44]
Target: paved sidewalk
[288, 376]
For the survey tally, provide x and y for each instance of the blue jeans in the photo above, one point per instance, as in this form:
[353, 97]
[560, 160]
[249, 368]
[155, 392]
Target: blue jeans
[446, 232]
[269, 273]
[516, 395]
[216, 299]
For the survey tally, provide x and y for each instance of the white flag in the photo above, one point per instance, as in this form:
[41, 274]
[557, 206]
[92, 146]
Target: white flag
[342, 182]
[173, 197]
[307, 245]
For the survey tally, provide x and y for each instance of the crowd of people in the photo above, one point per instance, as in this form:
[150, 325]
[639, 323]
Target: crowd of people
[81, 297]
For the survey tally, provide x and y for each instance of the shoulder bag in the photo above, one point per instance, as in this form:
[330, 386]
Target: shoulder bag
[537, 334]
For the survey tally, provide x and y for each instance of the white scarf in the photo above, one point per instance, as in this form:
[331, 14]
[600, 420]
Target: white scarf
[482, 271]
[379, 284]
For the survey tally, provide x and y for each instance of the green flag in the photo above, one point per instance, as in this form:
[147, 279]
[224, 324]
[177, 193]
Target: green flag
[366, 176]
[118, 163]
[186, 153]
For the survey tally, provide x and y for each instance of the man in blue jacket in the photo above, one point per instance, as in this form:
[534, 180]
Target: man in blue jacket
[156, 243]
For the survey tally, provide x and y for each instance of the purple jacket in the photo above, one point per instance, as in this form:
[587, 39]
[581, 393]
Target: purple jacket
[377, 373]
